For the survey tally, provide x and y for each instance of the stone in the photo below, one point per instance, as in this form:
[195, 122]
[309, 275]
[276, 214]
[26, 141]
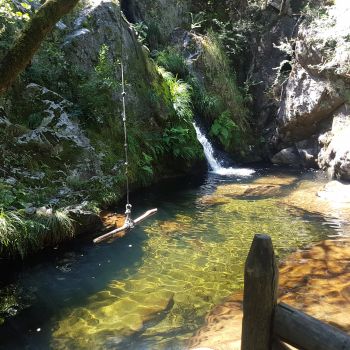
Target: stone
[334, 156]
[287, 156]
[308, 152]
[328, 199]
[84, 220]
[308, 99]
[336, 192]
[213, 200]
[303, 284]
[278, 179]
[247, 190]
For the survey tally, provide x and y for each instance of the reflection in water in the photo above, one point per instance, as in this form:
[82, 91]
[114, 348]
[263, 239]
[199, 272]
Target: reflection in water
[152, 288]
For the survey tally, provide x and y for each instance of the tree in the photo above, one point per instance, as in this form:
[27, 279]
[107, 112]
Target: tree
[24, 48]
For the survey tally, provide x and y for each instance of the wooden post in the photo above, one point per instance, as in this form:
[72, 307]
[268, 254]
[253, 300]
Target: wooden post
[260, 295]
[306, 332]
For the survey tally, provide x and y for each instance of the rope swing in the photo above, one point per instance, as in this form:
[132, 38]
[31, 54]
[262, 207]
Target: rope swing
[129, 223]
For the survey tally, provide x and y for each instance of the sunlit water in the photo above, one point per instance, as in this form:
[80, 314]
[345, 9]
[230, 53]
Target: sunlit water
[152, 288]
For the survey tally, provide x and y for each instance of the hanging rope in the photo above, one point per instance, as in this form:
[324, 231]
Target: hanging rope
[129, 223]
[128, 220]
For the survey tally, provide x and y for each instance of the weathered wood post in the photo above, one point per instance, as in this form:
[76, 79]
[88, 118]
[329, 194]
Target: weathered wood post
[260, 295]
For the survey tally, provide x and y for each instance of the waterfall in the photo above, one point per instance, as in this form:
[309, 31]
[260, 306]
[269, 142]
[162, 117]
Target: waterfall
[214, 163]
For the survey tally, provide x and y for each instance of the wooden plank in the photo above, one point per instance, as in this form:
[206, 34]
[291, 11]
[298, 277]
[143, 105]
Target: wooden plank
[260, 295]
[125, 227]
[146, 215]
[307, 333]
[278, 345]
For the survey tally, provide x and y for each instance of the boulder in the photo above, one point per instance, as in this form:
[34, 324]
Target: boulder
[328, 199]
[334, 156]
[248, 190]
[287, 156]
[84, 219]
[307, 100]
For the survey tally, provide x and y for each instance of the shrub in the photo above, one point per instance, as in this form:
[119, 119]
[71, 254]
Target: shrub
[172, 61]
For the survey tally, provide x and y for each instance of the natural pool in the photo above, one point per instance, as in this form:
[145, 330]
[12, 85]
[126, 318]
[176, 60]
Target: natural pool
[152, 288]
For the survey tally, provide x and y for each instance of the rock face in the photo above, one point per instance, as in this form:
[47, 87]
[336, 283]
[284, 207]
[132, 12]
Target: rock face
[58, 132]
[314, 100]
[100, 25]
[335, 153]
[162, 16]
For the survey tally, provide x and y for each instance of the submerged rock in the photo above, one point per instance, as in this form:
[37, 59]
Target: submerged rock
[248, 190]
[329, 200]
[314, 280]
[279, 179]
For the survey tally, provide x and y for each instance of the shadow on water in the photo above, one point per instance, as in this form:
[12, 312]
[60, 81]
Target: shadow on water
[68, 275]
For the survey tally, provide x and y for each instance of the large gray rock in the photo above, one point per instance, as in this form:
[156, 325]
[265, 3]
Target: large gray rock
[314, 99]
[100, 25]
[307, 100]
[57, 125]
[335, 153]
[287, 156]
[59, 134]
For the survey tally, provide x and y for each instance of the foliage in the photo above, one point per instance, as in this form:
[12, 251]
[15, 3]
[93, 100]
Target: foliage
[225, 129]
[197, 20]
[58, 226]
[172, 61]
[98, 90]
[141, 30]
[20, 234]
[222, 80]
[13, 17]
[182, 142]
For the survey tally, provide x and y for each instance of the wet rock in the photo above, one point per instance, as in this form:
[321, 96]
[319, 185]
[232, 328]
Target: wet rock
[223, 327]
[84, 219]
[248, 190]
[212, 200]
[314, 280]
[112, 220]
[280, 179]
[287, 156]
[328, 200]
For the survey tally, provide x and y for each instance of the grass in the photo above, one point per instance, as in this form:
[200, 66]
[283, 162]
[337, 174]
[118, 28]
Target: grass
[20, 235]
[222, 80]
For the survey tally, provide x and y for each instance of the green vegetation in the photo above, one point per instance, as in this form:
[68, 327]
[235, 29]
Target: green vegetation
[161, 137]
[20, 235]
[217, 99]
[12, 20]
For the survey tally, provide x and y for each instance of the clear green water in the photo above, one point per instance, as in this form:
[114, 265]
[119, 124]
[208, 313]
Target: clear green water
[152, 288]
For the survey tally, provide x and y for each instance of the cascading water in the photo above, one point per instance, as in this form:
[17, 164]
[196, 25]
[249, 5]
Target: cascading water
[214, 164]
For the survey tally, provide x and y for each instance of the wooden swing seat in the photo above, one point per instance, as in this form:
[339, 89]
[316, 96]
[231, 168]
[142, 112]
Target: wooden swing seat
[128, 225]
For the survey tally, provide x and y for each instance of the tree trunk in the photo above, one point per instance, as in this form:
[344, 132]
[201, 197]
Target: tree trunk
[23, 50]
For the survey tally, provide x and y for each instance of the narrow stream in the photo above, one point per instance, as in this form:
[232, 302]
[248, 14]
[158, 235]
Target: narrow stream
[153, 288]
